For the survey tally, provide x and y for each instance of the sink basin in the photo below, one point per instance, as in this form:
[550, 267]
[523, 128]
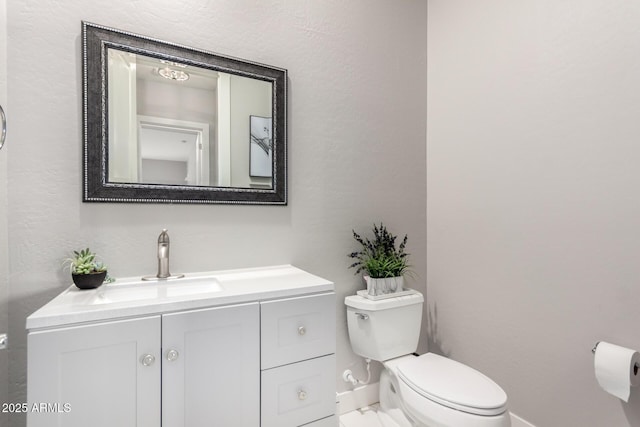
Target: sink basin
[137, 290]
[191, 286]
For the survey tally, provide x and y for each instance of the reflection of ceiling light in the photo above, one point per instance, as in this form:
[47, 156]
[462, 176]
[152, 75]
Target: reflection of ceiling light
[175, 64]
[170, 74]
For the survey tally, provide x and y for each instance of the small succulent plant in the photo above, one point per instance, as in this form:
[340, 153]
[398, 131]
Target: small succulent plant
[84, 262]
[379, 257]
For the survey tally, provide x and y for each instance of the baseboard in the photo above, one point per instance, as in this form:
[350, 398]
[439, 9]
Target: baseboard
[516, 421]
[357, 398]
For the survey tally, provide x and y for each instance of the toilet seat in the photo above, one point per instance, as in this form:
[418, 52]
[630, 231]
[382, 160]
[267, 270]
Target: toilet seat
[452, 384]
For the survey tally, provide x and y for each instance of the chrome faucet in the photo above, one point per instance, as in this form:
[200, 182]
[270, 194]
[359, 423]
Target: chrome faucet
[163, 259]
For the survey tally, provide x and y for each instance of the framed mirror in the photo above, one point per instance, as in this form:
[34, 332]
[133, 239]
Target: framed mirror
[165, 123]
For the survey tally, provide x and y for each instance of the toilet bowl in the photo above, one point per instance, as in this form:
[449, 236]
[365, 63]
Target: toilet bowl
[420, 391]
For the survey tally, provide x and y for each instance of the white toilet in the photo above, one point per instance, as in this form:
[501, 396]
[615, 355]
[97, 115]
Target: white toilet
[423, 391]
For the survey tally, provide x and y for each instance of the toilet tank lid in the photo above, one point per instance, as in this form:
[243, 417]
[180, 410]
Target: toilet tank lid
[361, 303]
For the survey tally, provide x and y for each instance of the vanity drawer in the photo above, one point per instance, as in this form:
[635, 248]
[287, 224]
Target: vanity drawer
[296, 329]
[297, 394]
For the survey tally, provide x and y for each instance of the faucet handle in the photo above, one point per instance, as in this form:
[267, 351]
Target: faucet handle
[164, 236]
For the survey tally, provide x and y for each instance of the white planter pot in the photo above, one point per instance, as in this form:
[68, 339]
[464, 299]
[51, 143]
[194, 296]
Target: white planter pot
[386, 285]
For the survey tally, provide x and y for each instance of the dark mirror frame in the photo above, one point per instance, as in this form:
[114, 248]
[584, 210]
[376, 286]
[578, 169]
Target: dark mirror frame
[96, 39]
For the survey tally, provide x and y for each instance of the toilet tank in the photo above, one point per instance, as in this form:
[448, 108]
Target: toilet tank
[386, 328]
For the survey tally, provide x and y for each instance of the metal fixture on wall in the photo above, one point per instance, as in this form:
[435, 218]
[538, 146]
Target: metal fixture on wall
[3, 131]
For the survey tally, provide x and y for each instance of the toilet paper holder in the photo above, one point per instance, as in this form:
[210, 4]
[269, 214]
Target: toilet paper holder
[635, 367]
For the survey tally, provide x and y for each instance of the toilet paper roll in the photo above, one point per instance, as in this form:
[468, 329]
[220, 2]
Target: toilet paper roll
[616, 369]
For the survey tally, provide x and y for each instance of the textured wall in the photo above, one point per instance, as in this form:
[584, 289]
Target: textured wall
[357, 113]
[532, 222]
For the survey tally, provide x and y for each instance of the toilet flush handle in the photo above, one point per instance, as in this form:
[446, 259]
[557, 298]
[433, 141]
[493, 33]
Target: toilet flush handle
[362, 316]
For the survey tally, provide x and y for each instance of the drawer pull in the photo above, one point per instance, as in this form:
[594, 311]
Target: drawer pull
[302, 330]
[172, 355]
[147, 359]
[302, 395]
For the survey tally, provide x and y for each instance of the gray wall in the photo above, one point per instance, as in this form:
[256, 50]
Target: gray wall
[532, 222]
[357, 113]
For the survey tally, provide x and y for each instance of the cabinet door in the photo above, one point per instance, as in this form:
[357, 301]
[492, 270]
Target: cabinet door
[211, 367]
[95, 375]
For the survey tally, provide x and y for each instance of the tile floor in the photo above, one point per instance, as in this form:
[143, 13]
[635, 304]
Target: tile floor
[367, 417]
[364, 417]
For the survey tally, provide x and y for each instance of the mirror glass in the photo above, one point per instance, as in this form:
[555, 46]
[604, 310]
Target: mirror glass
[165, 123]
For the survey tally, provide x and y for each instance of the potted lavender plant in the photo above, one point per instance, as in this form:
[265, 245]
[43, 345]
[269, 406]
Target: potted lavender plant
[383, 264]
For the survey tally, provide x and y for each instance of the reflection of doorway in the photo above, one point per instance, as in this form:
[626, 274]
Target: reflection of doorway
[172, 152]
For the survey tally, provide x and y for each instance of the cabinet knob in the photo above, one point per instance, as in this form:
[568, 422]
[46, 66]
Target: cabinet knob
[302, 395]
[302, 330]
[147, 359]
[172, 355]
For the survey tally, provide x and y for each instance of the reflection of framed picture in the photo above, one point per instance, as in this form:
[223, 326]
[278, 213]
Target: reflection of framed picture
[261, 147]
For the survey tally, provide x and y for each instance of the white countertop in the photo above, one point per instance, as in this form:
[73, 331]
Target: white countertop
[129, 297]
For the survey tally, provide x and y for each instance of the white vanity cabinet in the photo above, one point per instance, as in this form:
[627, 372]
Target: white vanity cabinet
[259, 352]
[186, 369]
[298, 361]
